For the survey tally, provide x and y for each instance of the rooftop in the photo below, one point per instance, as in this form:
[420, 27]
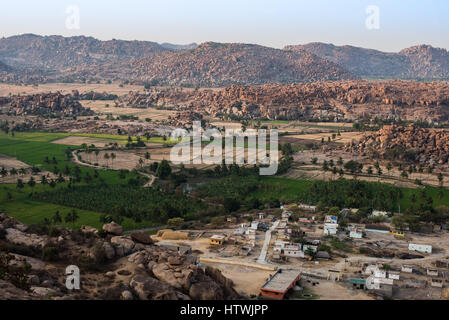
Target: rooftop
[281, 280]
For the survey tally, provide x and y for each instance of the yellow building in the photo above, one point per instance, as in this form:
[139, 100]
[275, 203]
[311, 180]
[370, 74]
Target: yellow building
[217, 240]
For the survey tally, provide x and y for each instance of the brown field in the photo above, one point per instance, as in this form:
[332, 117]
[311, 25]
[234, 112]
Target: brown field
[6, 89]
[305, 170]
[77, 141]
[346, 137]
[10, 162]
[99, 107]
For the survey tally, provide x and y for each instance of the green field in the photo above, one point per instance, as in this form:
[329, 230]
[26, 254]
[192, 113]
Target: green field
[32, 148]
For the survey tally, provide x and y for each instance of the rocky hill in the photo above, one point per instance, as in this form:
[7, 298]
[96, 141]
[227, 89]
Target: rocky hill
[112, 266]
[426, 146]
[45, 104]
[350, 100]
[178, 47]
[217, 64]
[58, 53]
[418, 62]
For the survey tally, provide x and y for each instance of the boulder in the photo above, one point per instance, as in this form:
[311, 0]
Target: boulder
[113, 228]
[87, 229]
[125, 243]
[18, 237]
[206, 290]
[141, 237]
[109, 250]
[164, 273]
[127, 295]
[148, 288]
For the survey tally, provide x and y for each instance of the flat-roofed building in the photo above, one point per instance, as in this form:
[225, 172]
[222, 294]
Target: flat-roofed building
[217, 240]
[280, 283]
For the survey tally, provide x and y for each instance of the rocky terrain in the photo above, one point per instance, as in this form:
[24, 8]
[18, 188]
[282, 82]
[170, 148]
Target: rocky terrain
[45, 104]
[217, 64]
[59, 53]
[351, 100]
[418, 62]
[112, 266]
[411, 143]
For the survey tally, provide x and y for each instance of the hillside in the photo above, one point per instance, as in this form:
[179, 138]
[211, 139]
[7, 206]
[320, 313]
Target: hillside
[216, 64]
[57, 52]
[418, 62]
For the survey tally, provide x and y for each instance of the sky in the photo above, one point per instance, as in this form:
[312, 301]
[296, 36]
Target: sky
[394, 25]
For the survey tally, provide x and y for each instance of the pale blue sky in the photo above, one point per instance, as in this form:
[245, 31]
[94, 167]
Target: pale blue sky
[275, 23]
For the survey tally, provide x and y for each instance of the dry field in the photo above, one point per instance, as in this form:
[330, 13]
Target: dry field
[77, 141]
[99, 107]
[329, 290]
[6, 89]
[346, 137]
[10, 162]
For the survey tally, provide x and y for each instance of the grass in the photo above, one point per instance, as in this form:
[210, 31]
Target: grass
[32, 148]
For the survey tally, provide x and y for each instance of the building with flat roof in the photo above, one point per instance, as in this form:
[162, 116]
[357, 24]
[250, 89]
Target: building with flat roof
[217, 240]
[280, 283]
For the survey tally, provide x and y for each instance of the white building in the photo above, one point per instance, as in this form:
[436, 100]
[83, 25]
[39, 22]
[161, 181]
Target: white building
[377, 213]
[407, 268]
[356, 234]
[330, 229]
[331, 219]
[293, 251]
[423, 248]
[307, 207]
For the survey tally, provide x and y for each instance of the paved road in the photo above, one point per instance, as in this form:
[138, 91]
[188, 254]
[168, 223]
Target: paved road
[263, 253]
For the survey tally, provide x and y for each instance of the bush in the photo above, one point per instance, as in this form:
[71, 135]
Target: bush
[50, 254]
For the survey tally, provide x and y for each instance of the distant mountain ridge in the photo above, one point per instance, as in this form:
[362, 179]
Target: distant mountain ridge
[417, 62]
[57, 52]
[221, 64]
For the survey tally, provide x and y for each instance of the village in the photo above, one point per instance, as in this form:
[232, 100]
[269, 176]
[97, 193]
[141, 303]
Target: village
[285, 256]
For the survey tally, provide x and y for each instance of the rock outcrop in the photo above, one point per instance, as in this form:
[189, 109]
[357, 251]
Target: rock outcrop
[112, 268]
[426, 146]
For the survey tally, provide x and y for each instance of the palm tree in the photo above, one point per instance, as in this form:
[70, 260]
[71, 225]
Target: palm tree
[56, 218]
[106, 157]
[112, 159]
[72, 217]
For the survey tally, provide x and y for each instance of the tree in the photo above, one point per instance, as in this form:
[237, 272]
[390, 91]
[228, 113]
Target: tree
[163, 169]
[440, 179]
[97, 152]
[112, 158]
[175, 222]
[3, 172]
[106, 157]
[389, 167]
[20, 184]
[72, 217]
[13, 171]
[147, 156]
[56, 218]
[231, 204]
[314, 160]
[44, 180]
[31, 182]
